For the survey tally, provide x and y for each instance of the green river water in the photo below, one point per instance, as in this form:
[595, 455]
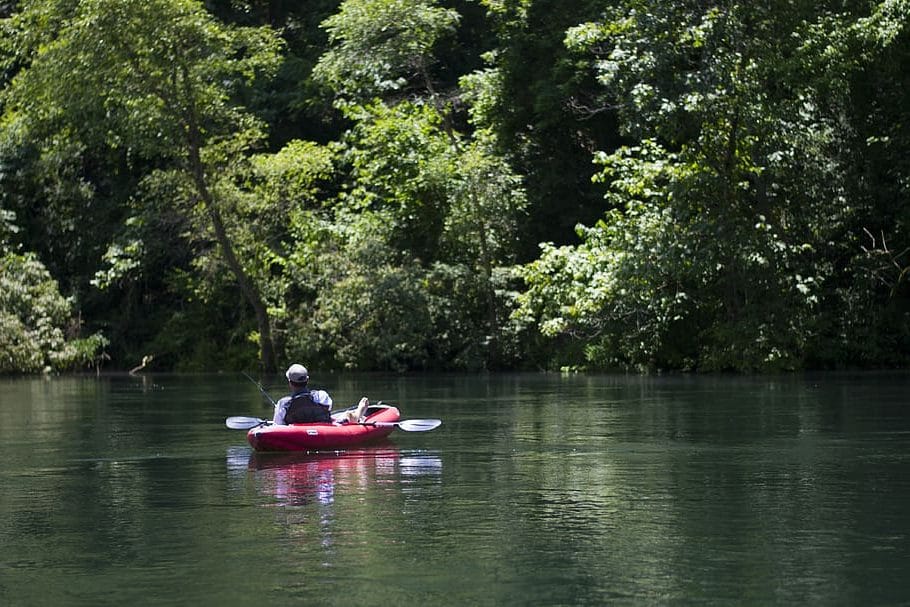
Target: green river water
[536, 490]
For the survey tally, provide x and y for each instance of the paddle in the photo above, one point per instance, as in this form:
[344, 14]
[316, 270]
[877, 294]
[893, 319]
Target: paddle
[240, 422]
[408, 425]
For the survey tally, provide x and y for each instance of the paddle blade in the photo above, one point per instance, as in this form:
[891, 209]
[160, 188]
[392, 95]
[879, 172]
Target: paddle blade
[240, 422]
[419, 425]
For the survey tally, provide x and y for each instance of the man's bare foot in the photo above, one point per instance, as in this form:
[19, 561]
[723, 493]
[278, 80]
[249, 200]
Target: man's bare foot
[356, 415]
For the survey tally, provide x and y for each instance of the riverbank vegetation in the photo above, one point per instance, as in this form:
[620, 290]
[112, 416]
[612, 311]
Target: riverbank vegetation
[464, 184]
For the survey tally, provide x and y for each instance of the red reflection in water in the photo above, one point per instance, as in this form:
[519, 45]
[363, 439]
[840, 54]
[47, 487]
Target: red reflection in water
[301, 478]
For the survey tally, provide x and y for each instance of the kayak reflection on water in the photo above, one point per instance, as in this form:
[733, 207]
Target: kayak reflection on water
[299, 478]
[296, 479]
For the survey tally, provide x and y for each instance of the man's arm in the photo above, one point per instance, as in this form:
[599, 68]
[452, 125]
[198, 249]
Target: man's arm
[281, 408]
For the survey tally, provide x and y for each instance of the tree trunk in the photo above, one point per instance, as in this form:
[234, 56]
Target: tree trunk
[266, 347]
[486, 268]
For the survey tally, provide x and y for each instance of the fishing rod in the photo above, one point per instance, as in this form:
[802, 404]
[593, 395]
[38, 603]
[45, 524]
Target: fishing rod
[261, 389]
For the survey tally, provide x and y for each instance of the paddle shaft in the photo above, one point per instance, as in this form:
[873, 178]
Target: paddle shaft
[408, 425]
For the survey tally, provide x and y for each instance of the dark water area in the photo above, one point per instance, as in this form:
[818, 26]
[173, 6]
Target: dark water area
[536, 490]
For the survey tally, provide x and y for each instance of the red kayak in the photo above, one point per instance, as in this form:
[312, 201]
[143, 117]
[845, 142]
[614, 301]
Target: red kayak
[379, 422]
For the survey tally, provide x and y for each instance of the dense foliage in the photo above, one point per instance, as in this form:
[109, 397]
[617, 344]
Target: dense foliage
[432, 184]
[34, 321]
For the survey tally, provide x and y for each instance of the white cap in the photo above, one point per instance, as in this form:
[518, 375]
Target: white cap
[297, 374]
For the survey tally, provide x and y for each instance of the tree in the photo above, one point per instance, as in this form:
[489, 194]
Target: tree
[487, 202]
[157, 80]
[445, 200]
[378, 47]
[713, 255]
[35, 320]
[546, 113]
[870, 307]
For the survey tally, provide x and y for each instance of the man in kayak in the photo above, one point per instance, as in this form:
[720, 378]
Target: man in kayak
[304, 406]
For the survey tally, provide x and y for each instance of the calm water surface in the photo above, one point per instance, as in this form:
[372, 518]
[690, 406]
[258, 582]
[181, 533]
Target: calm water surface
[536, 490]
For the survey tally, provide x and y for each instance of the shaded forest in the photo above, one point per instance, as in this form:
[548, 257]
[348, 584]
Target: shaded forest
[410, 185]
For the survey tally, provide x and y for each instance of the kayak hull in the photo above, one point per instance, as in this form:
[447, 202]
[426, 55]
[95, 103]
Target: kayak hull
[316, 436]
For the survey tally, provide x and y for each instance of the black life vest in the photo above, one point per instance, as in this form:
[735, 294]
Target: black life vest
[304, 410]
